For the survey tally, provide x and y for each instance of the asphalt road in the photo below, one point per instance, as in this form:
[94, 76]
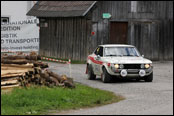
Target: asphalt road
[142, 98]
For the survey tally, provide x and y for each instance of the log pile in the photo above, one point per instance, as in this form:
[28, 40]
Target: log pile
[19, 70]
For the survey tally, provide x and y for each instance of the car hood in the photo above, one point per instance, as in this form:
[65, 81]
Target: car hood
[126, 60]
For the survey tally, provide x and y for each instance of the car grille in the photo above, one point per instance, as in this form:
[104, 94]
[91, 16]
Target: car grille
[132, 66]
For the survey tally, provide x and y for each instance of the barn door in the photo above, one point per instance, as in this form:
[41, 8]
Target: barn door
[118, 33]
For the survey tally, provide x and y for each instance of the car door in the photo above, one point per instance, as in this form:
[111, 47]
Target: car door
[98, 60]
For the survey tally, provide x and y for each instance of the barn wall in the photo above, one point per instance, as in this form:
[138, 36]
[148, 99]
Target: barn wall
[66, 38]
[150, 28]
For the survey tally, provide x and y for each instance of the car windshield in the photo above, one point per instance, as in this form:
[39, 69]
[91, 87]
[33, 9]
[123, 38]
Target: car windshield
[121, 51]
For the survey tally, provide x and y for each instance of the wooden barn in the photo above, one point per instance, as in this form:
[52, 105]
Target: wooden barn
[73, 29]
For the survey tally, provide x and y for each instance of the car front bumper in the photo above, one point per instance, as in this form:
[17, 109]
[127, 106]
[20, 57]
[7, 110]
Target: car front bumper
[130, 72]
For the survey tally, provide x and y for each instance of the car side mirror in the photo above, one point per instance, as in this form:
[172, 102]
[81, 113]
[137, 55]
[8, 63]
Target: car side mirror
[98, 57]
[143, 56]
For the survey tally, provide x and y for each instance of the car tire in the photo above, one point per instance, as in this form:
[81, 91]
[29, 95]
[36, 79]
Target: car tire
[91, 75]
[149, 78]
[106, 78]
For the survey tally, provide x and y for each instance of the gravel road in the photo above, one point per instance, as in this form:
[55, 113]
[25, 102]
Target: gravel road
[142, 98]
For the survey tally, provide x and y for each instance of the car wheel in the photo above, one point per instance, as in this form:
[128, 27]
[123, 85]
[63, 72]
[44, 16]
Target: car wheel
[149, 78]
[91, 75]
[106, 78]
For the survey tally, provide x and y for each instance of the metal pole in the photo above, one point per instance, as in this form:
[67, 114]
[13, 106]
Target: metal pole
[70, 67]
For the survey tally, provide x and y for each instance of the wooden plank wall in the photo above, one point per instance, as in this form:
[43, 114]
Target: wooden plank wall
[150, 29]
[66, 38]
[121, 10]
[145, 36]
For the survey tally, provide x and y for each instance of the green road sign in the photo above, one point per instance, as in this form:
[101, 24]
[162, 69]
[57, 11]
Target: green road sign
[106, 15]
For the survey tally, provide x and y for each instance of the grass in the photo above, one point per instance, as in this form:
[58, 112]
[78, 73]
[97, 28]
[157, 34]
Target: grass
[40, 100]
[72, 61]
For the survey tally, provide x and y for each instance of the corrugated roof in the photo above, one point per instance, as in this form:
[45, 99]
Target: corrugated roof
[61, 8]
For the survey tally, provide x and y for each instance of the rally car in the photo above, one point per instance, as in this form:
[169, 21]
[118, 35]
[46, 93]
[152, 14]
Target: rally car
[122, 61]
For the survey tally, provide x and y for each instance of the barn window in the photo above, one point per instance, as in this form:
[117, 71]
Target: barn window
[4, 20]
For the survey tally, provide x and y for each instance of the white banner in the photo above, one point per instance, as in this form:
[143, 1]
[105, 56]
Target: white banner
[20, 36]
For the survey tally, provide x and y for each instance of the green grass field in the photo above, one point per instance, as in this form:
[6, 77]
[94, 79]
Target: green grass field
[40, 100]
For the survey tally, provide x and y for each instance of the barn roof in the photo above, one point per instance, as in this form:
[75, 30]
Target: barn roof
[61, 8]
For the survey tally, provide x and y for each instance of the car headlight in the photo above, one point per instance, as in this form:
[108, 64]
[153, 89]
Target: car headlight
[147, 65]
[117, 66]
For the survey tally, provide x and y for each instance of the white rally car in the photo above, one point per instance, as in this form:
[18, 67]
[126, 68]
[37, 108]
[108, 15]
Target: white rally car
[123, 61]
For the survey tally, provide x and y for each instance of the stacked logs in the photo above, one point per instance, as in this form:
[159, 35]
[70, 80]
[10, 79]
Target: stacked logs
[20, 70]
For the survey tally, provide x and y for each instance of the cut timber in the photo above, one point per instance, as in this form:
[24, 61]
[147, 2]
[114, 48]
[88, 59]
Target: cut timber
[8, 72]
[37, 70]
[10, 86]
[10, 78]
[28, 65]
[22, 61]
[12, 57]
[55, 81]
[29, 57]
[9, 82]
[46, 76]
[41, 64]
[68, 82]
[58, 77]
[12, 68]
[20, 70]
[12, 75]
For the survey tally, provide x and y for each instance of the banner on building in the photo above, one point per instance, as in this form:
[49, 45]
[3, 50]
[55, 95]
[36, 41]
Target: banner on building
[20, 36]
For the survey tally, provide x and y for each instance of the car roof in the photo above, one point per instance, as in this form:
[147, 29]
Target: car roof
[116, 45]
